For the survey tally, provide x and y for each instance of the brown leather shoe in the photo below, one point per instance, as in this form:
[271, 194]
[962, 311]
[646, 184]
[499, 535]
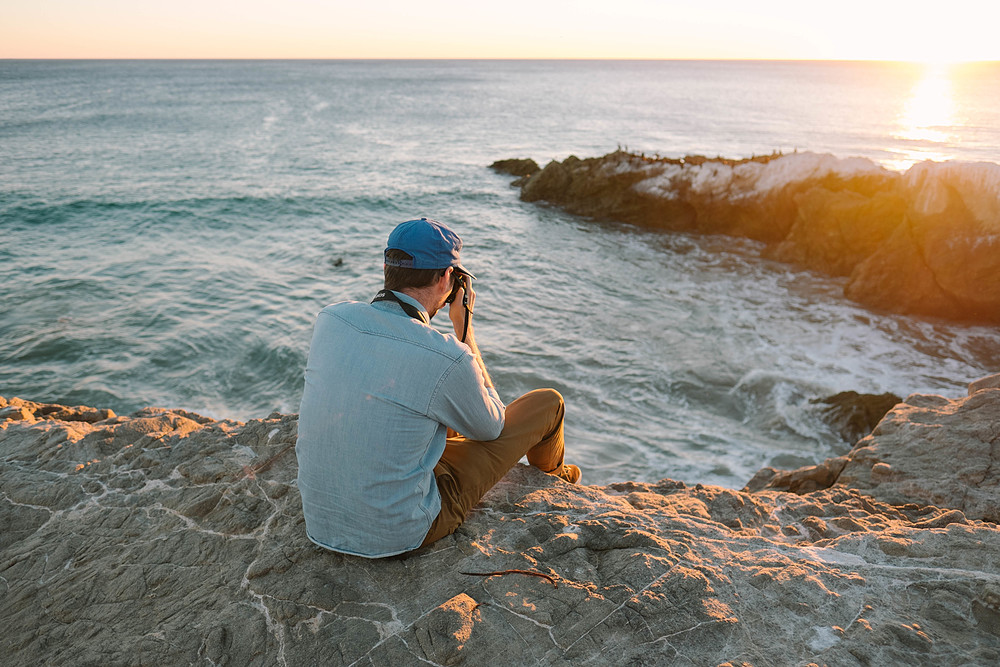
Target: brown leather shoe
[569, 473]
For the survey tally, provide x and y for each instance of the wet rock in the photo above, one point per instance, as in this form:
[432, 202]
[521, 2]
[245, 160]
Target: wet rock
[854, 415]
[515, 167]
[164, 537]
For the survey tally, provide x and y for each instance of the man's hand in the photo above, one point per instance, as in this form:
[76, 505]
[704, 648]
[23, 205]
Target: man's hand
[456, 311]
[457, 314]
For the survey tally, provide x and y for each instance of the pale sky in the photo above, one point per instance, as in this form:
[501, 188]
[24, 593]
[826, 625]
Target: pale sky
[938, 30]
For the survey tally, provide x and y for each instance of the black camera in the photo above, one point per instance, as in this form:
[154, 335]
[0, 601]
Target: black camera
[459, 284]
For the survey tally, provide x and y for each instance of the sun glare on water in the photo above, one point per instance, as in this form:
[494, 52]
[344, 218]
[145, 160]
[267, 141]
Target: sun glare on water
[927, 120]
[929, 113]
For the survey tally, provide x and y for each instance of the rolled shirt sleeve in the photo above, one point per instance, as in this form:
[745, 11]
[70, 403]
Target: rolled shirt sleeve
[463, 402]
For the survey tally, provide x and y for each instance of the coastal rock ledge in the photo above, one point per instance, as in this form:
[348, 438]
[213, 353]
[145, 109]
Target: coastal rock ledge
[165, 537]
[925, 242]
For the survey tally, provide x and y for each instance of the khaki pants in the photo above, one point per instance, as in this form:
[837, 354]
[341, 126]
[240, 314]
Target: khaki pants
[533, 425]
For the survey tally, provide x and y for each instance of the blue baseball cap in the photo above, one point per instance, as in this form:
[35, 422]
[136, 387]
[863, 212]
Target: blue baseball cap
[432, 245]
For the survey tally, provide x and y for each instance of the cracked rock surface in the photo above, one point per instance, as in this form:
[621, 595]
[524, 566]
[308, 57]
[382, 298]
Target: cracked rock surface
[164, 537]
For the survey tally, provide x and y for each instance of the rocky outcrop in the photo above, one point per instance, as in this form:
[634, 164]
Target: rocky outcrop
[165, 537]
[928, 450]
[926, 242]
[515, 166]
[933, 451]
[854, 415]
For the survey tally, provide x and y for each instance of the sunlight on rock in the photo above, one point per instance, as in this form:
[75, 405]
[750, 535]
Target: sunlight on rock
[149, 521]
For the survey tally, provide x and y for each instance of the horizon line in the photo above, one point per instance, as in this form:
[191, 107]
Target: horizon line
[483, 59]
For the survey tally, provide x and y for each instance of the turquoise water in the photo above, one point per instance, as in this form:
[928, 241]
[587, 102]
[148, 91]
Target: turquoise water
[168, 231]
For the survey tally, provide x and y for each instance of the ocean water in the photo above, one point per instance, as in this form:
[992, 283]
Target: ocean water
[168, 231]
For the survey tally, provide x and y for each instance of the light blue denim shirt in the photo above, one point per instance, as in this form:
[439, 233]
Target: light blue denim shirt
[380, 391]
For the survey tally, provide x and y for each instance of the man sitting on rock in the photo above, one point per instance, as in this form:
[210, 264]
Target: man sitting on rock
[382, 467]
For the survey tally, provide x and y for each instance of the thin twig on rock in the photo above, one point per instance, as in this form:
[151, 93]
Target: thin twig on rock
[528, 572]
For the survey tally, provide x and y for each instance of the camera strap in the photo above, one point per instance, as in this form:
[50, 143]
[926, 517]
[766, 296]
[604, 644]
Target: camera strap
[468, 315]
[409, 309]
[416, 313]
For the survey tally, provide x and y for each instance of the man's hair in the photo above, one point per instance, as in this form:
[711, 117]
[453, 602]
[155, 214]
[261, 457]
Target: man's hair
[398, 278]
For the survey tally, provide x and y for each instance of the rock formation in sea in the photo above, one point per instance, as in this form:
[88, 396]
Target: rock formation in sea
[924, 242]
[165, 537]
[854, 415]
